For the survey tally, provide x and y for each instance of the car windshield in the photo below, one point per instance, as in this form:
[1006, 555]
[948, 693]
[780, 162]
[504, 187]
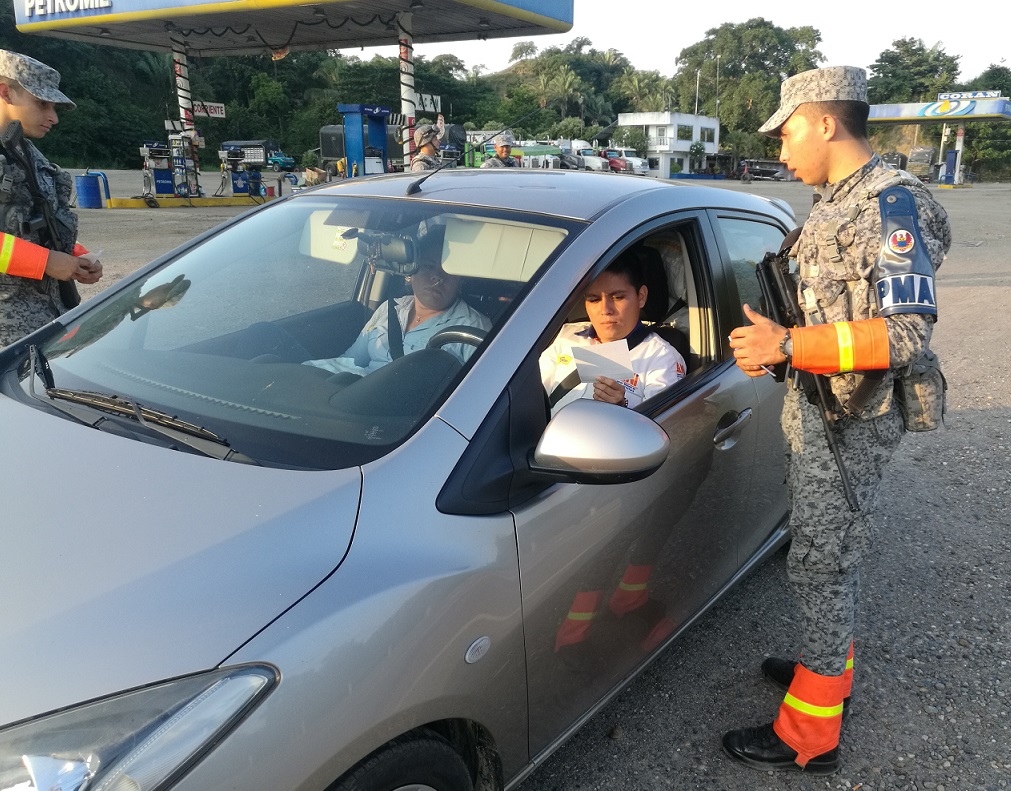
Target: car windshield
[222, 335]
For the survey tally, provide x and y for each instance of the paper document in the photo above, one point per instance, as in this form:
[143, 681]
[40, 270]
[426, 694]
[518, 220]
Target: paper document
[603, 359]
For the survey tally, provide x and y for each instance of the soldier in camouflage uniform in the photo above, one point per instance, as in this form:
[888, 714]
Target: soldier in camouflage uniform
[866, 259]
[503, 143]
[426, 139]
[30, 294]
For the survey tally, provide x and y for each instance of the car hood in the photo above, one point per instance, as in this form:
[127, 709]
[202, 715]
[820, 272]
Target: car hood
[126, 563]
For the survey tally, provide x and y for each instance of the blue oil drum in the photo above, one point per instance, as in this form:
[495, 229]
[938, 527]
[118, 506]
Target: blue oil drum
[89, 194]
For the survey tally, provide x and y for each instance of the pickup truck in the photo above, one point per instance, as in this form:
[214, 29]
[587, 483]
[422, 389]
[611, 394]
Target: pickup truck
[625, 160]
[278, 160]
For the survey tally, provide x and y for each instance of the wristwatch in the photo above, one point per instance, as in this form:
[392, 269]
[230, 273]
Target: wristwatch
[786, 346]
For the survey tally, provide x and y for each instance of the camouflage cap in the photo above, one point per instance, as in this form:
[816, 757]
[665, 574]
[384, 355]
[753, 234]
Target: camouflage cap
[831, 84]
[426, 133]
[504, 139]
[40, 80]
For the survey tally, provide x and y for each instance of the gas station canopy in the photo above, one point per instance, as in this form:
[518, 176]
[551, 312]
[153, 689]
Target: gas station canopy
[249, 27]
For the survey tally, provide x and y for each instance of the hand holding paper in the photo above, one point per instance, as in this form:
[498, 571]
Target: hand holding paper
[603, 359]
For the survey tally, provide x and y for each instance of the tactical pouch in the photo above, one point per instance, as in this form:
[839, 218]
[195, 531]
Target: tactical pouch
[920, 391]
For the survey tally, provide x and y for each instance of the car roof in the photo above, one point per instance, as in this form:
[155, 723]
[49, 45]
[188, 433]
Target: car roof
[577, 195]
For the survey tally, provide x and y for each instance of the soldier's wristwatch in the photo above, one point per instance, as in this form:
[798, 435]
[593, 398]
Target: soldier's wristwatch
[786, 346]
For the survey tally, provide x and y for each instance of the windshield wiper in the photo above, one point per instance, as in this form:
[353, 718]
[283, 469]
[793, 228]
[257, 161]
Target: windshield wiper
[189, 434]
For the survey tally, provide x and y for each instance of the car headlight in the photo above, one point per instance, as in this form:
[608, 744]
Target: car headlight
[138, 741]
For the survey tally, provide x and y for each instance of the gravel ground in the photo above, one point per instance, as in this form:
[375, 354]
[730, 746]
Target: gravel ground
[931, 697]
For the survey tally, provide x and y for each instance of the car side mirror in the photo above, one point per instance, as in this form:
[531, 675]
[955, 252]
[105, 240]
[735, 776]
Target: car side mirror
[592, 442]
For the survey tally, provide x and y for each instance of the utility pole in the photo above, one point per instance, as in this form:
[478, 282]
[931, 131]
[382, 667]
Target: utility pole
[698, 74]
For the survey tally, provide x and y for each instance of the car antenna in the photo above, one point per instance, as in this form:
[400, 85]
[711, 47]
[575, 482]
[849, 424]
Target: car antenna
[415, 186]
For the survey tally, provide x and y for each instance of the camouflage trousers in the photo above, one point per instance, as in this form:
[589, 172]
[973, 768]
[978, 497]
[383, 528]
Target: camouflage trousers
[828, 538]
[24, 307]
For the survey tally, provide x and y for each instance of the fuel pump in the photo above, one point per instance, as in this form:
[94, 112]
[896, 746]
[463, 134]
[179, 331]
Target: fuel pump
[233, 167]
[185, 165]
[156, 158]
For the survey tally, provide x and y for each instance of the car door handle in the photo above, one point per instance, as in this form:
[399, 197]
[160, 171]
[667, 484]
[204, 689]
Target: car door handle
[725, 433]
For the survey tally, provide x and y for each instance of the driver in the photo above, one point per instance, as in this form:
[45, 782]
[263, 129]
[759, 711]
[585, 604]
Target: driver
[434, 304]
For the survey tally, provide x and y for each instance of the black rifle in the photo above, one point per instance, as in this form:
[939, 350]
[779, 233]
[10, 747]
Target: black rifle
[43, 221]
[779, 293]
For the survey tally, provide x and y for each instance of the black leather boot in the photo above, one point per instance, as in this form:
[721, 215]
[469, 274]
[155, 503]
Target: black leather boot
[761, 748]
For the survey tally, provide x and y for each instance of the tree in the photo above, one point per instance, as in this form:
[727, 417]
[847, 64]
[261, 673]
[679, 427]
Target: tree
[987, 150]
[696, 156]
[450, 65]
[523, 50]
[911, 73]
[566, 87]
[756, 49]
[631, 137]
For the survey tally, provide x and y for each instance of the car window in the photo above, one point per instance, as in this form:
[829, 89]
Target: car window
[747, 243]
[675, 310]
[277, 333]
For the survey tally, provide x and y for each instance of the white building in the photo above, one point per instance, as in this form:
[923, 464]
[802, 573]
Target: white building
[671, 135]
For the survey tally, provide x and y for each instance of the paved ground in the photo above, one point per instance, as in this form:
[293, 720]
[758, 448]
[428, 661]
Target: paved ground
[933, 679]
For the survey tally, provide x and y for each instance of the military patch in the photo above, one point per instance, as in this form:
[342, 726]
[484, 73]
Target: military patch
[903, 275]
[906, 294]
[901, 242]
[564, 359]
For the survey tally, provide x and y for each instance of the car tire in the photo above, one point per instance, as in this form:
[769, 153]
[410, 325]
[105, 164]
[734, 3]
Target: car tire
[425, 763]
[275, 167]
[331, 169]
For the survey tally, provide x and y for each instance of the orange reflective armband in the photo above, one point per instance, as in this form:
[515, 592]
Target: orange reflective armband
[22, 258]
[841, 347]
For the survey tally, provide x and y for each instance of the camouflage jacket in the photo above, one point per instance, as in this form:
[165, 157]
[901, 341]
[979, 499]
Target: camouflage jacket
[836, 254]
[499, 162]
[424, 162]
[26, 304]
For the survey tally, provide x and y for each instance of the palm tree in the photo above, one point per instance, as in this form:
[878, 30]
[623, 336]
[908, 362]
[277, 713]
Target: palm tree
[567, 87]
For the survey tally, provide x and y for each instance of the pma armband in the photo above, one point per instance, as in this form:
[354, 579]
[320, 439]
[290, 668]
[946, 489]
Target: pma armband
[904, 273]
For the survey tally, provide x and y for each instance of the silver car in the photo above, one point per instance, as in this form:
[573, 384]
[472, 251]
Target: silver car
[225, 568]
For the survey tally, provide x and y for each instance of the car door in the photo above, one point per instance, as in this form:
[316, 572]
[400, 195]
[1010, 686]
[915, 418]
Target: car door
[742, 241]
[609, 573]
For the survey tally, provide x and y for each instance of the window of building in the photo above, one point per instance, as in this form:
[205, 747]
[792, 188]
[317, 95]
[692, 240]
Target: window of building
[654, 163]
[685, 132]
[661, 135]
[707, 134]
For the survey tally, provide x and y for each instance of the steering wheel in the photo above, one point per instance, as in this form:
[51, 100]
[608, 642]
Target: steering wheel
[458, 333]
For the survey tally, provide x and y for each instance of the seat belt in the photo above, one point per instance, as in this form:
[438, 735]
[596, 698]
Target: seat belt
[394, 331]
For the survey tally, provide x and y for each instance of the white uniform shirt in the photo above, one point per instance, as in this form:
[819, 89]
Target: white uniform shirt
[371, 350]
[655, 362]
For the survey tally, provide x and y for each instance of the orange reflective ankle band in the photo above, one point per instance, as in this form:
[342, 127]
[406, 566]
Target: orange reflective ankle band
[21, 258]
[811, 714]
[841, 347]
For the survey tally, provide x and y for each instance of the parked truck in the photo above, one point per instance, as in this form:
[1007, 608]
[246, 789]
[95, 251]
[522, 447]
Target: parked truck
[921, 162]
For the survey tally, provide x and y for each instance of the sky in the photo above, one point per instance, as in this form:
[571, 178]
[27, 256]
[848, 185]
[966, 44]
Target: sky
[853, 33]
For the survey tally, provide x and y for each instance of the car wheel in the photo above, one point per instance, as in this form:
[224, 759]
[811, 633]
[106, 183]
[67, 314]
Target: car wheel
[331, 169]
[428, 763]
[275, 167]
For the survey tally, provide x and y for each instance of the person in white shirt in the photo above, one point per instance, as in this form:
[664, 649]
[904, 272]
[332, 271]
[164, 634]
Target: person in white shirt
[613, 301]
[435, 304]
